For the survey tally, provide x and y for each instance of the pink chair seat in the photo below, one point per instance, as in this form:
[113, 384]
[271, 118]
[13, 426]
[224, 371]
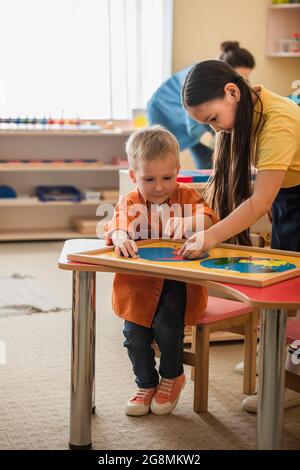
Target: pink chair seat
[221, 309]
[292, 330]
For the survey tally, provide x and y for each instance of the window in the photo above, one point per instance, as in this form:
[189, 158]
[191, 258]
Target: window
[92, 59]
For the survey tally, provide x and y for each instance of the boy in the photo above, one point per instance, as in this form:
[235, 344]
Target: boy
[155, 309]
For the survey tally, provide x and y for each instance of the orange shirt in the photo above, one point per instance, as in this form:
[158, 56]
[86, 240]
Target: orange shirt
[135, 298]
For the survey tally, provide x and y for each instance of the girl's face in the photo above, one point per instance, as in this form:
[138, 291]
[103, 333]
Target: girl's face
[219, 113]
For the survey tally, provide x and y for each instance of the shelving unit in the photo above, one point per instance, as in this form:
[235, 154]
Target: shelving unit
[282, 21]
[55, 167]
[38, 235]
[33, 202]
[62, 132]
[92, 153]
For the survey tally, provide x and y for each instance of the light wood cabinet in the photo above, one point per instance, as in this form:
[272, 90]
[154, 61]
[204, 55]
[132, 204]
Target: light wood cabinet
[283, 20]
[50, 155]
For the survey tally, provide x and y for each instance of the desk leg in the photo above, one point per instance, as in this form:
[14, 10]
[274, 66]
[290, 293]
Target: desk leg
[271, 379]
[83, 356]
[94, 395]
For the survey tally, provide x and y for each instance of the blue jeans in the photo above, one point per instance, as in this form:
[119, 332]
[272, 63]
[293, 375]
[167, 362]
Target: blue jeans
[286, 219]
[167, 330]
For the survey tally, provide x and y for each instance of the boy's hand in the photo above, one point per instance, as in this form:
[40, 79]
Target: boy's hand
[179, 227]
[127, 248]
[174, 228]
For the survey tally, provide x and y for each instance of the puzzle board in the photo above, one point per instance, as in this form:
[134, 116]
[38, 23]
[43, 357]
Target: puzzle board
[226, 263]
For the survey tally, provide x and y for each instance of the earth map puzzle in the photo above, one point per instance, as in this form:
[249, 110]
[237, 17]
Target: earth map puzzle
[241, 264]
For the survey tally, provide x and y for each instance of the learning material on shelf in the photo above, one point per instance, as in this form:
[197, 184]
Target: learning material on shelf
[112, 194]
[88, 225]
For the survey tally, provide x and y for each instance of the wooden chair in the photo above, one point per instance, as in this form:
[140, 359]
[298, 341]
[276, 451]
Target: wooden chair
[226, 315]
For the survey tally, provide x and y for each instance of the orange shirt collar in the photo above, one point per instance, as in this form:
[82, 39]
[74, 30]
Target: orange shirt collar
[173, 199]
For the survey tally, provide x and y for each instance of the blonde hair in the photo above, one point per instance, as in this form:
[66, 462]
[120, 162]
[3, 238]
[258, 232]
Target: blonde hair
[151, 143]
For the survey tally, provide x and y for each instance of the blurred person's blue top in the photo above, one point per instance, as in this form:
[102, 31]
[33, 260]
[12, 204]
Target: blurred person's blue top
[295, 98]
[165, 108]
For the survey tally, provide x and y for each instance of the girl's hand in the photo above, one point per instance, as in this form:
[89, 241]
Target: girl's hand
[127, 248]
[197, 245]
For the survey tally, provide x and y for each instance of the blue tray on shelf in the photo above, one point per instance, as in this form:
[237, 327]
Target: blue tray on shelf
[58, 193]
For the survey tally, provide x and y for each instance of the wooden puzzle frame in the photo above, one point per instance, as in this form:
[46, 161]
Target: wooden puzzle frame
[172, 269]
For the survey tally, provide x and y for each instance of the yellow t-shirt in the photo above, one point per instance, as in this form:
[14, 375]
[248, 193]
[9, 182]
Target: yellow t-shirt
[277, 145]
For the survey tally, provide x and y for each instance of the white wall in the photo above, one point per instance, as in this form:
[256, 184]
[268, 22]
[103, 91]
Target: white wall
[201, 25]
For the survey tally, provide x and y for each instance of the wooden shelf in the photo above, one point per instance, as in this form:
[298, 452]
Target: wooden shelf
[58, 167]
[282, 22]
[53, 234]
[62, 133]
[78, 158]
[284, 6]
[284, 54]
[35, 202]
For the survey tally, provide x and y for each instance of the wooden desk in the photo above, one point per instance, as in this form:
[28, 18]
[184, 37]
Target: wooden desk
[273, 301]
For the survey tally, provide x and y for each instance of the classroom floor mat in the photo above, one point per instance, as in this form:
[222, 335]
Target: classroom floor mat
[25, 295]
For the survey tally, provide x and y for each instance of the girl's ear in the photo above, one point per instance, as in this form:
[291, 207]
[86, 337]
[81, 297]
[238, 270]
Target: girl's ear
[233, 91]
[132, 175]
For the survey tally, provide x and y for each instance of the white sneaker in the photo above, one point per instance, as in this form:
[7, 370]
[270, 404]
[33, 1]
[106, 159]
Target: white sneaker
[239, 368]
[291, 399]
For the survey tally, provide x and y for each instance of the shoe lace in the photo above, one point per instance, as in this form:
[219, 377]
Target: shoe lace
[165, 387]
[141, 394]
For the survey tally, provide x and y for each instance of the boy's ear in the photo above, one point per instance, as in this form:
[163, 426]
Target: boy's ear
[132, 175]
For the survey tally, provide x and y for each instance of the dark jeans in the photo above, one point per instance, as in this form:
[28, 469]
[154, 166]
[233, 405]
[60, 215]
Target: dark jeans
[202, 156]
[168, 332]
[286, 219]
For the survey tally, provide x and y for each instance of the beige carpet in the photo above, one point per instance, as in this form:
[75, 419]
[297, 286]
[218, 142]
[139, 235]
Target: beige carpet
[34, 382]
[25, 295]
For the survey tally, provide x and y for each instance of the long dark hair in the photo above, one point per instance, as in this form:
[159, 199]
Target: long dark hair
[236, 56]
[230, 184]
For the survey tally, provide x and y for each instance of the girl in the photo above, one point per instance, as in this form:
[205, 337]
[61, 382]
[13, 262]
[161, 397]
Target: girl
[165, 106]
[255, 127]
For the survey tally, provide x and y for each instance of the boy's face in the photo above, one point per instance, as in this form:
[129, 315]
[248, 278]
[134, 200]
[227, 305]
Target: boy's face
[156, 179]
